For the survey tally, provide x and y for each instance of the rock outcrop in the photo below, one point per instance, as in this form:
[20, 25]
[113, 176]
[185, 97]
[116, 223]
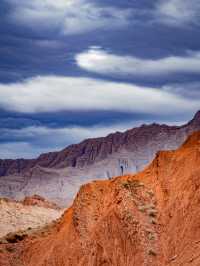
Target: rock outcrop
[39, 201]
[152, 218]
[32, 213]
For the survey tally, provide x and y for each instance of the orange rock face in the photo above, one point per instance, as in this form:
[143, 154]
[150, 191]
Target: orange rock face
[149, 219]
[37, 200]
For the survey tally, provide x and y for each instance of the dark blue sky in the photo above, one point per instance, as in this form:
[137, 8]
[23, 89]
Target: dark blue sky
[72, 69]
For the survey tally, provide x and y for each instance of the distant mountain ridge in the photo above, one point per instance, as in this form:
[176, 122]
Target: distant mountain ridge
[58, 175]
[91, 150]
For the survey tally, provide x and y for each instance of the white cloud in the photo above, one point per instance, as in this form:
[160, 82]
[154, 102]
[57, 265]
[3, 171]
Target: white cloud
[103, 62]
[178, 12]
[53, 93]
[67, 16]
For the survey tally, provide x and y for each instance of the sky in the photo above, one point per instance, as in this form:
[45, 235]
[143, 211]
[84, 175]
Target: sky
[76, 69]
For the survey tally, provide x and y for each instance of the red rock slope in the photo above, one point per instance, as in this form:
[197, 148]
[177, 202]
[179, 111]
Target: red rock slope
[149, 219]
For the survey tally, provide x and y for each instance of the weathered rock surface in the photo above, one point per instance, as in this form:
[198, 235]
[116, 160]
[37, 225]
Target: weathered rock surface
[148, 219]
[36, 200]
[58, 175]
[30, 214]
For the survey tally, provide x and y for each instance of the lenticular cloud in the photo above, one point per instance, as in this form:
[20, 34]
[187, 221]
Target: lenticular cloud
[54, 93]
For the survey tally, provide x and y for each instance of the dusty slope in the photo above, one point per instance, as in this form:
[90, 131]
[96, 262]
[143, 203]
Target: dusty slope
[149, 219]
[31, 214]
[58, 176]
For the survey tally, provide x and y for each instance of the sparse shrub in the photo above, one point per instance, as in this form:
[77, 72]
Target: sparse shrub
[10, 248]
[150, 193]
[149, 207]
[131, 184]
[152, 252]
[129, 216]
[137, 183]
[126, 185]
[151, 236]
[15, 237]
[152, 213]
[153, 221]
[1, 250]
[142, 208]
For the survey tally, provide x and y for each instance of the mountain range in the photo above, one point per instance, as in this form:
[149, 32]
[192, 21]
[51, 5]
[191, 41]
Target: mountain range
[57, 176]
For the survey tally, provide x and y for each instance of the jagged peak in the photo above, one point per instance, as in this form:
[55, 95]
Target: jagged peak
[197, 115]
[192, 140]
[196, 118]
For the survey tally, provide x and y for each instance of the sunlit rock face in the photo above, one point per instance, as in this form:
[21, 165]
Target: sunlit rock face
[58, 175]
[31, 213]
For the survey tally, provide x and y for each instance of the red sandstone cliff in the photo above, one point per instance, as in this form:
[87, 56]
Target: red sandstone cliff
[150, 219]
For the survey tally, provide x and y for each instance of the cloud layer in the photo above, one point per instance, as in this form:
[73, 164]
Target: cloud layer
[67, 16]
[178, 12]
[81, 16]
[103, 62]
[53, 94]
